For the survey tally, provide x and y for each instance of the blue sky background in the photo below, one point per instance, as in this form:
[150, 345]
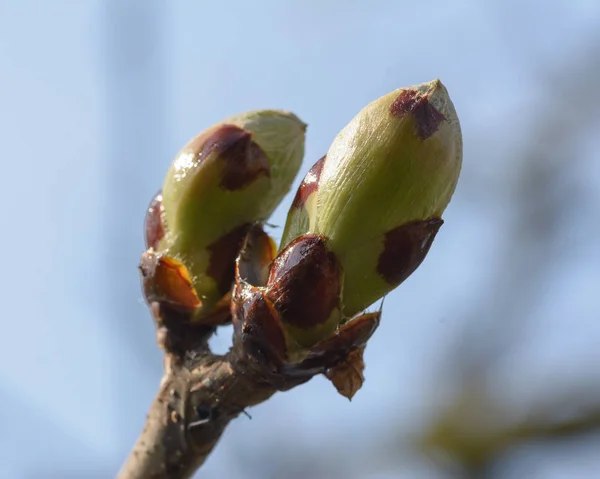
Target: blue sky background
[97, 97]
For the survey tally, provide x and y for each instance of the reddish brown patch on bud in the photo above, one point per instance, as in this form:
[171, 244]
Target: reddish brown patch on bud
[405, 247]
[154, 223]
[244, 161]
[257, 324]
[305, 282]
[221, 266]
[167, 280]
[427, 118]
[309, 184]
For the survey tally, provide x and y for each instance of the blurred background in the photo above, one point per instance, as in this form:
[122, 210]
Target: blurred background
[487, 363]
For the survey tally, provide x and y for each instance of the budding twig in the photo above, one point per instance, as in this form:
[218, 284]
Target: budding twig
[363, 220]
[200, 394]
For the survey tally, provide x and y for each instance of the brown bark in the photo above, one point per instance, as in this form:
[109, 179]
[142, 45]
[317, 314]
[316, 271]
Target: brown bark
[200, 391]
[196, 400]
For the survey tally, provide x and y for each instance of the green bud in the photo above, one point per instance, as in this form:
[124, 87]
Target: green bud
[225, 179]
[379, 193]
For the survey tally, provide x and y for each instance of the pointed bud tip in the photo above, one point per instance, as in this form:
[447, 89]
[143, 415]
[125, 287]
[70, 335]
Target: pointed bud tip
[251, 117]
[292, 117]
[428, 104]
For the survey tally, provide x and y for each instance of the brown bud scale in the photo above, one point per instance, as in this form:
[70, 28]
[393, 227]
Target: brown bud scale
[305, 282]
[166, 279]
[258, 322]
[256, 257]
[223, 252]
[350, 336]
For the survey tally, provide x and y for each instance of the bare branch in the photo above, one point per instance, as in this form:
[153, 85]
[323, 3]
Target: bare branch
[196, 401]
